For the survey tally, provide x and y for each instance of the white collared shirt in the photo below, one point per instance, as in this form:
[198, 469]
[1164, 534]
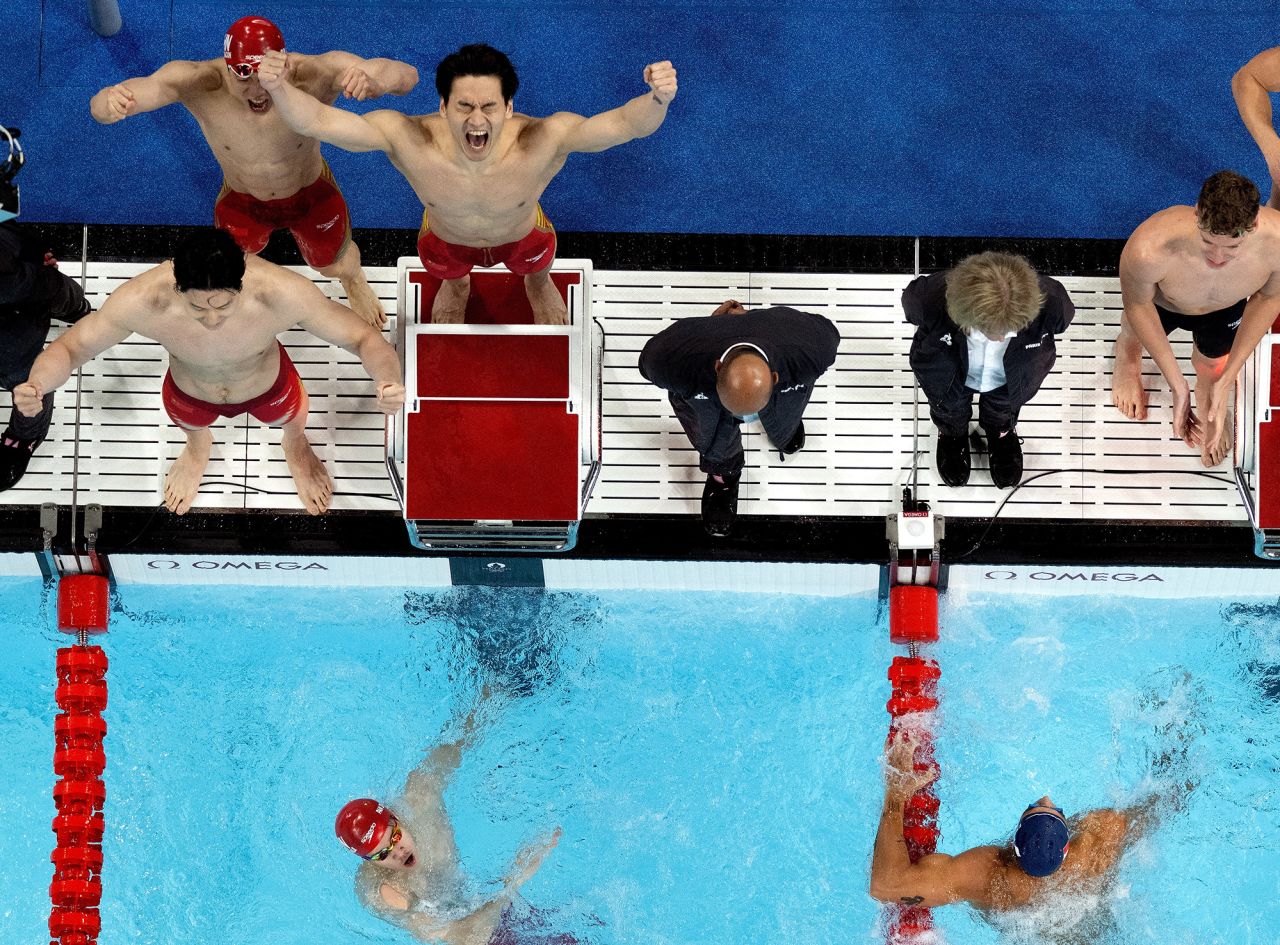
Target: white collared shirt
[986, 362]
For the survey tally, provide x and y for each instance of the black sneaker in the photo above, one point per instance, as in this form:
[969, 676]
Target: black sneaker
[720, 505]
[14, 456]
[1006, 458]
[796, 443]
[953, 459]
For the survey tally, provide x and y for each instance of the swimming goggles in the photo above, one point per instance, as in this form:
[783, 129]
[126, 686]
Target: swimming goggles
[382, 854]
[242, 70]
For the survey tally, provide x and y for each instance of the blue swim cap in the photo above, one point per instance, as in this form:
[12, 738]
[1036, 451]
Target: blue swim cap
[1041, 843]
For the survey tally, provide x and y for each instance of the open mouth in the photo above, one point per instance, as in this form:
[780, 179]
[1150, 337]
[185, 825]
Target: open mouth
[410, 860]
[477, 140]
[259, 105]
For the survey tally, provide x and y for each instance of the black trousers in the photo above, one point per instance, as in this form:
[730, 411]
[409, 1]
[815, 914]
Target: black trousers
[23, 329]
[996, 412]
[716, 435]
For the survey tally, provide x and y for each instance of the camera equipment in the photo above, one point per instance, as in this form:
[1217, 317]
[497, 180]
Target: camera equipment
[9, 201]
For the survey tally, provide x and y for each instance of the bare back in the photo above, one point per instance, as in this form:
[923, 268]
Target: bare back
[1166, 251]
[466, 206]
[232, 363]
[258, 153]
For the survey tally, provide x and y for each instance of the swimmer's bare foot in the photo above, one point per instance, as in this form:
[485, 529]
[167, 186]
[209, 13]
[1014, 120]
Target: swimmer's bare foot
[450, 306]
[182, 481]
[545, 300]
[1215, 449]
[1127, 392]
[315, 485]
[363, 301]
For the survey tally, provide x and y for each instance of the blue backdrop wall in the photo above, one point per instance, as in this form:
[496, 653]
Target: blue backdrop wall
[1068, 118]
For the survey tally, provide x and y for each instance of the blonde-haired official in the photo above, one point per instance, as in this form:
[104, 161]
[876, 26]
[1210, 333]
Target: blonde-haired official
[985, 327]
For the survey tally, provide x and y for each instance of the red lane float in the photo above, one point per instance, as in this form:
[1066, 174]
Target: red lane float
[913, 614]
[913, 620]
[79, 760]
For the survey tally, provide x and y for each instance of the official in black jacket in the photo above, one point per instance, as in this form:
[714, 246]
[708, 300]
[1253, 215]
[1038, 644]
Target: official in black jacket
[32, 292]
[733, 367]
[985, 327]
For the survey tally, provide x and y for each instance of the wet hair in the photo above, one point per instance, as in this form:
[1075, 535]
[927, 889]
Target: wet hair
[476, 59]
[1228, 204]
[207, 260]
[993, 293]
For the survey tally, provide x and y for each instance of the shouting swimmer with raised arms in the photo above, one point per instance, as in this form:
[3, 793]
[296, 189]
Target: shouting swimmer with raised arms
[478, 166]
[273, 178]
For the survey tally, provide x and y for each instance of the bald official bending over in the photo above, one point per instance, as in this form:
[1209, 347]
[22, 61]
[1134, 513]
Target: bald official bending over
[218, 313]
[1214, 270]
[1050, 854]
[734, 367]
[273, 178]
[478, 166]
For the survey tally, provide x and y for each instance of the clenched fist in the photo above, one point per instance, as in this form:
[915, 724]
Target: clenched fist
[661, 77]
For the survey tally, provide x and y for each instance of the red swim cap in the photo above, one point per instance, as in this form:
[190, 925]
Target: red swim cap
[361, 824]
[247, 39]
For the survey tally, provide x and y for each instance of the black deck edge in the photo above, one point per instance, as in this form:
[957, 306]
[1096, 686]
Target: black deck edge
[150, 531]
[677, 252]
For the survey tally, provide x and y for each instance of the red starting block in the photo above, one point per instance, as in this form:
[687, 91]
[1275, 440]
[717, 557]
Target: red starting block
[498, 446]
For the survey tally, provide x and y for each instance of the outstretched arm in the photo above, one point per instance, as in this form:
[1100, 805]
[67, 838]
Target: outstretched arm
[639, 118]
[894, 878]
[1251, 87]
[311, 117]
[171, 83]
[341, 73]
[83, 342]
[1139, 273]
[1256, 320]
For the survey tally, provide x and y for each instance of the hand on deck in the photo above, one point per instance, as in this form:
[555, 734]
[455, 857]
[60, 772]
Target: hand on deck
[390, 397]
[661, 77]
[28, 398]
[1186, 425]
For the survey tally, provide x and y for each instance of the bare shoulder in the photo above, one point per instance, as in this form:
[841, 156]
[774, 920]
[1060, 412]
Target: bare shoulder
[1154, 244]
[274, 287]
[191, 79]
[393, 897]
[534, 134]
[142, 298]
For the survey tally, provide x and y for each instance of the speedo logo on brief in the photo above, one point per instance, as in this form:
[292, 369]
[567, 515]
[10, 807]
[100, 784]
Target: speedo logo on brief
[325, 226]
[537, 257]
[1235, 324]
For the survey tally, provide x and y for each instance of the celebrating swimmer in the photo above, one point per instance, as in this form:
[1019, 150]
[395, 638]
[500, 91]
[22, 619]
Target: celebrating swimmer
[273, 178]
[478, 166]
[1049, 853]
[1214, 270]
[217, 313]
[412, 877]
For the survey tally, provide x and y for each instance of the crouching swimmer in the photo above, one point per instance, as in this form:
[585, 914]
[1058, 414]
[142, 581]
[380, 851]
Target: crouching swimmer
[218, 315]
[411, 876]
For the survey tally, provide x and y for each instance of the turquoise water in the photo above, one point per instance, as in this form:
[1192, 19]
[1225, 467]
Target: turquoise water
[712, 759]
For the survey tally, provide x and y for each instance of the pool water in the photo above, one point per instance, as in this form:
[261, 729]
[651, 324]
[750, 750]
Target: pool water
[712, 759]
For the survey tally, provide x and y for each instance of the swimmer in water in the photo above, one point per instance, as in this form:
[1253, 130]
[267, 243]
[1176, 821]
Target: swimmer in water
[1049, 853]
[411, 875]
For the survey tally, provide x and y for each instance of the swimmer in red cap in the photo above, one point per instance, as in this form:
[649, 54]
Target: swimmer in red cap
[273, 178]
[478, 166]
[411, 874]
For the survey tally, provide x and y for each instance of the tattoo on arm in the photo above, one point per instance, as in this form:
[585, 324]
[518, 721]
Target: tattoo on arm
[911, 900]
[656, 99]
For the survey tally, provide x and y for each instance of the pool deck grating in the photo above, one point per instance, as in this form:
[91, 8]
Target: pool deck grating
[859, 423]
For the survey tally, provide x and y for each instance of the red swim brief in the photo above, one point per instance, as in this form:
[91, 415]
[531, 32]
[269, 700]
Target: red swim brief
[316, 216]
[534, 253]
[279, 404]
